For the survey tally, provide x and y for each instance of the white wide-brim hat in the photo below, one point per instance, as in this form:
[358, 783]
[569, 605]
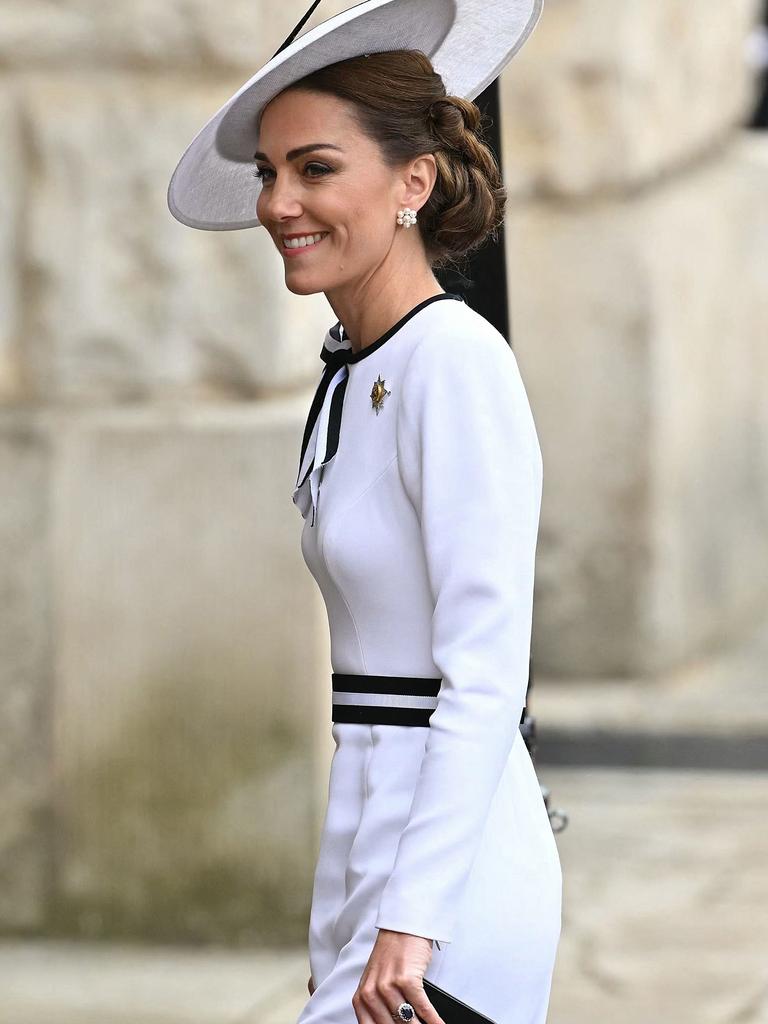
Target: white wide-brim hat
[468, 41]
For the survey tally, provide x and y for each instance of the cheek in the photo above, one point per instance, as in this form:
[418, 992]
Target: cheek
[369, 220]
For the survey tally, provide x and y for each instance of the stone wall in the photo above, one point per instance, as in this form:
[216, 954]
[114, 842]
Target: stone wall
[638, 278]
[165, 702]
[165, 652]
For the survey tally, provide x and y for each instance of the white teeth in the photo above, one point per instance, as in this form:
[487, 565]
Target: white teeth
[298, 243]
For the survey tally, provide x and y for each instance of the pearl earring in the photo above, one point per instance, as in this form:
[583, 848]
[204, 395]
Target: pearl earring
[406, 216]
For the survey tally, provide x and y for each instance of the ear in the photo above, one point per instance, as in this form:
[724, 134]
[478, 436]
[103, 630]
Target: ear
[419, 180]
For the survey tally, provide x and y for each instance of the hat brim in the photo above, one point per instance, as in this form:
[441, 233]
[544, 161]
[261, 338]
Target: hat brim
[468, 41]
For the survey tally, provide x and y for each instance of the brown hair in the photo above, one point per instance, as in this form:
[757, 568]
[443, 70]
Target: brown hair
[400, 102]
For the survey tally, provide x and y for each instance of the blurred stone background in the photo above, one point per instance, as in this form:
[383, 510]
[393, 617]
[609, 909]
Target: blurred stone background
[164, 680]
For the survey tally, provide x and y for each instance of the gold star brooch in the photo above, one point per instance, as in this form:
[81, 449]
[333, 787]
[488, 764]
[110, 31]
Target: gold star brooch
[378, 394]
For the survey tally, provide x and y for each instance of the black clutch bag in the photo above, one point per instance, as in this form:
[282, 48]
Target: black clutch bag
[451, 1009]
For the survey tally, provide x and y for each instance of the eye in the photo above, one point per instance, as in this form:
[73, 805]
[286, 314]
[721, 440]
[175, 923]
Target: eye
[259, 172]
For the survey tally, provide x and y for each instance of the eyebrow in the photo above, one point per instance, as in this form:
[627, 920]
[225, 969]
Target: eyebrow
[301, 150]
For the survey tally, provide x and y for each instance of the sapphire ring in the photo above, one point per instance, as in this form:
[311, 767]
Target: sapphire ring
[404, 1012]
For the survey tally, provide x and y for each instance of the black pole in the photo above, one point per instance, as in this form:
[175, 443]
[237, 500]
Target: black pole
[759, 117]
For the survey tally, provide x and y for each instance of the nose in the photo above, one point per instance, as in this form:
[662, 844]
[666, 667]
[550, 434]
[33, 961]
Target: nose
[279, 200]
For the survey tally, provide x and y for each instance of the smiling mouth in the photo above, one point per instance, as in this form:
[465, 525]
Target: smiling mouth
[293, 248]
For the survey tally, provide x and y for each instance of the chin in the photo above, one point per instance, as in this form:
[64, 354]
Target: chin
[302, 288]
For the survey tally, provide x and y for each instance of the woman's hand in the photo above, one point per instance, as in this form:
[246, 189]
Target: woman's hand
[394, 975]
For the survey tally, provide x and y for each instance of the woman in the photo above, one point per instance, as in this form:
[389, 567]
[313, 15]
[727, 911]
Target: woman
[420, 483]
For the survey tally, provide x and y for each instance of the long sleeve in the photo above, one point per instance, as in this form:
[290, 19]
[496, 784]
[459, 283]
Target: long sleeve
[470, 462]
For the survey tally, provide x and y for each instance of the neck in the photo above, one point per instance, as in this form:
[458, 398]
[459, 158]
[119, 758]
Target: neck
[368, 308]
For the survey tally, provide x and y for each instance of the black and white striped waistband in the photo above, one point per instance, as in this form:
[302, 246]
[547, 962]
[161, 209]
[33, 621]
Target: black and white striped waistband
[385, 700]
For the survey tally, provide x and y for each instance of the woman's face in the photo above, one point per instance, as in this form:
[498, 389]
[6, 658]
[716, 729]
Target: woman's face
[346, 192]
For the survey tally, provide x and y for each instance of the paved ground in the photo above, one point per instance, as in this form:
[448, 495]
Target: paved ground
[87, 983]
[666, 893]
[665, 922]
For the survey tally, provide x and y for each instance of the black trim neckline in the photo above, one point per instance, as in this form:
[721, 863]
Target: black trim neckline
[355, 357]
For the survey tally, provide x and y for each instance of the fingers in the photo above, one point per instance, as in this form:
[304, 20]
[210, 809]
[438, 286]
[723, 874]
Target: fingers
[423, 1008]
[373, 1007]
[378, 1005]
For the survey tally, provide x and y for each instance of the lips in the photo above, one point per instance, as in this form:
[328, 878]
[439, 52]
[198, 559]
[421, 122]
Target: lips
[296, 249]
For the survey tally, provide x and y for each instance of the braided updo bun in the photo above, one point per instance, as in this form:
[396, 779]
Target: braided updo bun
[400, 102]
[468, 201]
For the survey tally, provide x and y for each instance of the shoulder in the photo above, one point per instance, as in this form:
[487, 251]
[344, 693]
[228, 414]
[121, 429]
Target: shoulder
[463, 377]
[461, 346]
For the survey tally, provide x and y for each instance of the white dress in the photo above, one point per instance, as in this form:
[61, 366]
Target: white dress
[420, 483]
